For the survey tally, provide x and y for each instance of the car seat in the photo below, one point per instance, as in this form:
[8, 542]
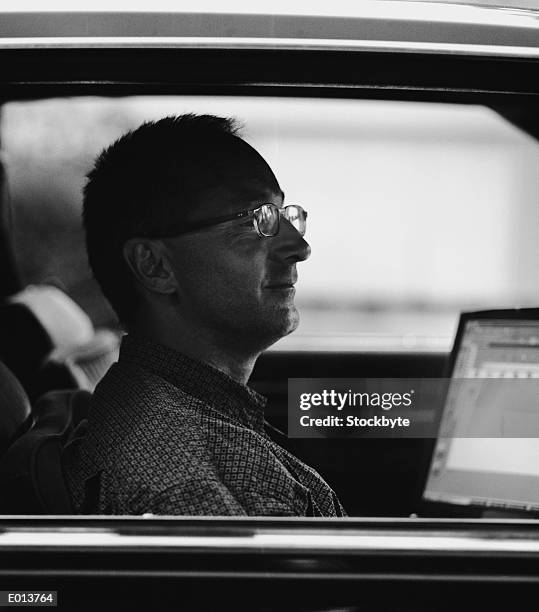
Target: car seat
[79, 367]
[33, 323]
[14, 408]
[49, 342]
[31, 477]
[11, 282]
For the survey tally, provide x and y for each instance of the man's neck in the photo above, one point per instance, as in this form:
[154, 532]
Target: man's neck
[232, 361]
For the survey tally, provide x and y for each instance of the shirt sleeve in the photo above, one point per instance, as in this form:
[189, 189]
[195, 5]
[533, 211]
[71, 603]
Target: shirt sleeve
[196, 498]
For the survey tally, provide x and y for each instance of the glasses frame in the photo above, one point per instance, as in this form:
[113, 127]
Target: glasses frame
[251, 213]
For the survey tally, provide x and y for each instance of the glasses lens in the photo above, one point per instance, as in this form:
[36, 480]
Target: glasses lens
[267, 219]
[297, 217]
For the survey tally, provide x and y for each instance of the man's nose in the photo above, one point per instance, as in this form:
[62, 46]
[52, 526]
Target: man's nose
[289, 245]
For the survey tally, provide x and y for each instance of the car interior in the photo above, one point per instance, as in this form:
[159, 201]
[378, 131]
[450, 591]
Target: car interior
[59, 336]
[419, 174]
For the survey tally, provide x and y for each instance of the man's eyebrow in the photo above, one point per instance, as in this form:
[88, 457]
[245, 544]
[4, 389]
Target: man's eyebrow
[261, 196]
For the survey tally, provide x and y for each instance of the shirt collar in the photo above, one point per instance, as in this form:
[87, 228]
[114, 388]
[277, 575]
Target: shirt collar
[198, 379]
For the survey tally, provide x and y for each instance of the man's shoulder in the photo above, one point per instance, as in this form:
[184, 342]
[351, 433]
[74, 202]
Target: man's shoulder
[138, 419]
[144, 436]
[124, 380]
[132, 392]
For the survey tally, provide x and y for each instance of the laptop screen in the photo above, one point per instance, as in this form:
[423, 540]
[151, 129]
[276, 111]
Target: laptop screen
[487, 452]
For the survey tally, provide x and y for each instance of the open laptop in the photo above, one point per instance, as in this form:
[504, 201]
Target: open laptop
[485, 460]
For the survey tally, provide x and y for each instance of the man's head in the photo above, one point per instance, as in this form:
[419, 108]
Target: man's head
[224, 280]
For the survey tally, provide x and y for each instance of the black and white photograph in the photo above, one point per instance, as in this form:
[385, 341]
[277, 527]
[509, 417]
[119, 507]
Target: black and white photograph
[269, 305]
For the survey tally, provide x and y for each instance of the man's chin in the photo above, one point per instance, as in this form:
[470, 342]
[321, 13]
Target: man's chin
[287, 321]
[294, 321]
[275, 325]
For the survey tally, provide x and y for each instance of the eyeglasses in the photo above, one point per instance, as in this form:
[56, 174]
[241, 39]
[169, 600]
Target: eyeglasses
[266, 219]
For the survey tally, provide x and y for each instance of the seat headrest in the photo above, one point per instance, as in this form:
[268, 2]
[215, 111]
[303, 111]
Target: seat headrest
[66, 324]
[34, 322]
[14, 408]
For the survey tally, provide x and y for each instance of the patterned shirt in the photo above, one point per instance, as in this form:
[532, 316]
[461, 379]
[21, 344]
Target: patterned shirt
[171, 435]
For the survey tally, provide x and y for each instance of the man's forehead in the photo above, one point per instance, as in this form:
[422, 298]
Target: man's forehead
[234, 197]
[252, 191]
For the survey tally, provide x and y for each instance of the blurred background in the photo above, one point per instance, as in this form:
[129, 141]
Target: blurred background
[417, 211]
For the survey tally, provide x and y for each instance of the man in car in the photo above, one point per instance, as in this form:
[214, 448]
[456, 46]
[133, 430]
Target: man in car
[190, 239]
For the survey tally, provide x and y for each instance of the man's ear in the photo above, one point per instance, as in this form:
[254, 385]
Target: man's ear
[150, 264]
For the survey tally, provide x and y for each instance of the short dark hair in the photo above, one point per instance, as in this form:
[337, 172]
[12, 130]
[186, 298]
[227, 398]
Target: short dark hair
[144, 183]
